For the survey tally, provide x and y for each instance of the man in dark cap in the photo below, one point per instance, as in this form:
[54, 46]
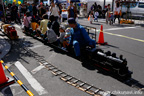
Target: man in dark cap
[79, 37]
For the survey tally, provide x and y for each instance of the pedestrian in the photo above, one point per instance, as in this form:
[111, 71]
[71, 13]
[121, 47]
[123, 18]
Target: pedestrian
[96, 14]
[14, 13]
[55, 11]
[72, 11]
[29, 7]
[79, 37]
[42, 10]
[95, 6]
[24, 7]
[34, 9]
[108, 13]
[117, 12]
[91, 16]
[8, 15]
[111, 18]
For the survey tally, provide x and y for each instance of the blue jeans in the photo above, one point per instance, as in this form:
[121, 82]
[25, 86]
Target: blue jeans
[77, 46]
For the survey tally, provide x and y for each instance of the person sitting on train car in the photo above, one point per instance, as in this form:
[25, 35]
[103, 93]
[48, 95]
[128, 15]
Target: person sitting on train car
[79, 37]
[60, 39]
[36, 18]
[67, 38]
[53, 24]
[27, 21]
[35, 22]
[43, 26]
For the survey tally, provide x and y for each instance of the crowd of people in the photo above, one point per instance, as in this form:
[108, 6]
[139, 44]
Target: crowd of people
[110, 15]
[43, 21]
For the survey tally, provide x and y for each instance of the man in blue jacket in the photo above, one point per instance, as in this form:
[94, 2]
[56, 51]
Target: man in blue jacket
[79, 37]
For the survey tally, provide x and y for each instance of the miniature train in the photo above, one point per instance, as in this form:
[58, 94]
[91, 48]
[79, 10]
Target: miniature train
[107, 61]
[10, 31]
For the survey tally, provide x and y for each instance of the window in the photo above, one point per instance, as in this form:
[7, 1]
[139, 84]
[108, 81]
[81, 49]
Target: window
[141, 5]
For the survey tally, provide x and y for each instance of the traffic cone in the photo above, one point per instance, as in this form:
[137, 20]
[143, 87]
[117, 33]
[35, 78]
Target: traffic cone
[101, 37]
[88, 18]
[4, 81]
[2, 75]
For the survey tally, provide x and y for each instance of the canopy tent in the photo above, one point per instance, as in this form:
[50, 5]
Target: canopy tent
[11, 1]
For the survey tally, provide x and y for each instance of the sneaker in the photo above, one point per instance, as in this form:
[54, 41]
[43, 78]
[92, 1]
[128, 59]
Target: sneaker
[63, 48]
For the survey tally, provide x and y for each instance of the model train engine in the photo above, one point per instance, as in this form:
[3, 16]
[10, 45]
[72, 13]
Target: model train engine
[110, 63]
[9, 31]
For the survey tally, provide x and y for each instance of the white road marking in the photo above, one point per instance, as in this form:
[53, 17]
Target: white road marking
[120, 28]
[34, 71]
[52, 56]
[123, 36]
[32, 81]
[36, 46]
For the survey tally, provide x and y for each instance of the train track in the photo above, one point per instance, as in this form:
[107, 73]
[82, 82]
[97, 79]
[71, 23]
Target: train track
[71, 80]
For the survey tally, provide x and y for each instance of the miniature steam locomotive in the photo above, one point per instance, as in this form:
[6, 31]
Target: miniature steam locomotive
[9, 31]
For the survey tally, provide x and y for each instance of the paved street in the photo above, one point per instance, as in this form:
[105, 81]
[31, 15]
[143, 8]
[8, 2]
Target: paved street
[127, 40]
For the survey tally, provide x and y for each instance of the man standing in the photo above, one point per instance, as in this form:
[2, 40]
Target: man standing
[72, 11]
[55, 11]
[14, 11]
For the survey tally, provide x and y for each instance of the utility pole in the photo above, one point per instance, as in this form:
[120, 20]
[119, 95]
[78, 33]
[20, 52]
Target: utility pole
[112, 5]
[104, 5]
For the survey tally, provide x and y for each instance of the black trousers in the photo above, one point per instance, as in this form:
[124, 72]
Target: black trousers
[117, 16]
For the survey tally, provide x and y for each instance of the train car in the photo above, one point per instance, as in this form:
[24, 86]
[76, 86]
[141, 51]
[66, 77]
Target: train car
[10, 31]
[105, 61]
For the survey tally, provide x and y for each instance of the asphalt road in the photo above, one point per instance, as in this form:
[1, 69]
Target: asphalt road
[126, 40]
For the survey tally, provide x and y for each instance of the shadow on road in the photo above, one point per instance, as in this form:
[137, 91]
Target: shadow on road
[6, 91]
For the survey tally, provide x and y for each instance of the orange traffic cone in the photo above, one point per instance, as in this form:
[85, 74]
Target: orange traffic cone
[4, 81]
[88, 18]
[2, 75]
[101, 37]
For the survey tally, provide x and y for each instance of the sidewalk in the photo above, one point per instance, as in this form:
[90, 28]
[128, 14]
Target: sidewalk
[101, 20]
[4, 46]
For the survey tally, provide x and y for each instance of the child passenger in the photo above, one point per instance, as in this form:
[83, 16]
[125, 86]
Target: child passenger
[67, 38]
[27, 21]
[60, 39]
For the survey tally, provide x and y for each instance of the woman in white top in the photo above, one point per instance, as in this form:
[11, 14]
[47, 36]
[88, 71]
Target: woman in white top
[117, 12]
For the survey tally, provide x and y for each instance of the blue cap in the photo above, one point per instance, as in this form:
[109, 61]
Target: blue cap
[71, 21]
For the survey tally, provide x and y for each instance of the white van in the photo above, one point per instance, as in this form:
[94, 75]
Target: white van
[136, 9]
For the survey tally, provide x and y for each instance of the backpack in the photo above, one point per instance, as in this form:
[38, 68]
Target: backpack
[52, 37]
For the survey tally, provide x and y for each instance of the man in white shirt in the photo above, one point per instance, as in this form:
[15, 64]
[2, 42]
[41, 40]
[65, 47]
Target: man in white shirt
[55, 10]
